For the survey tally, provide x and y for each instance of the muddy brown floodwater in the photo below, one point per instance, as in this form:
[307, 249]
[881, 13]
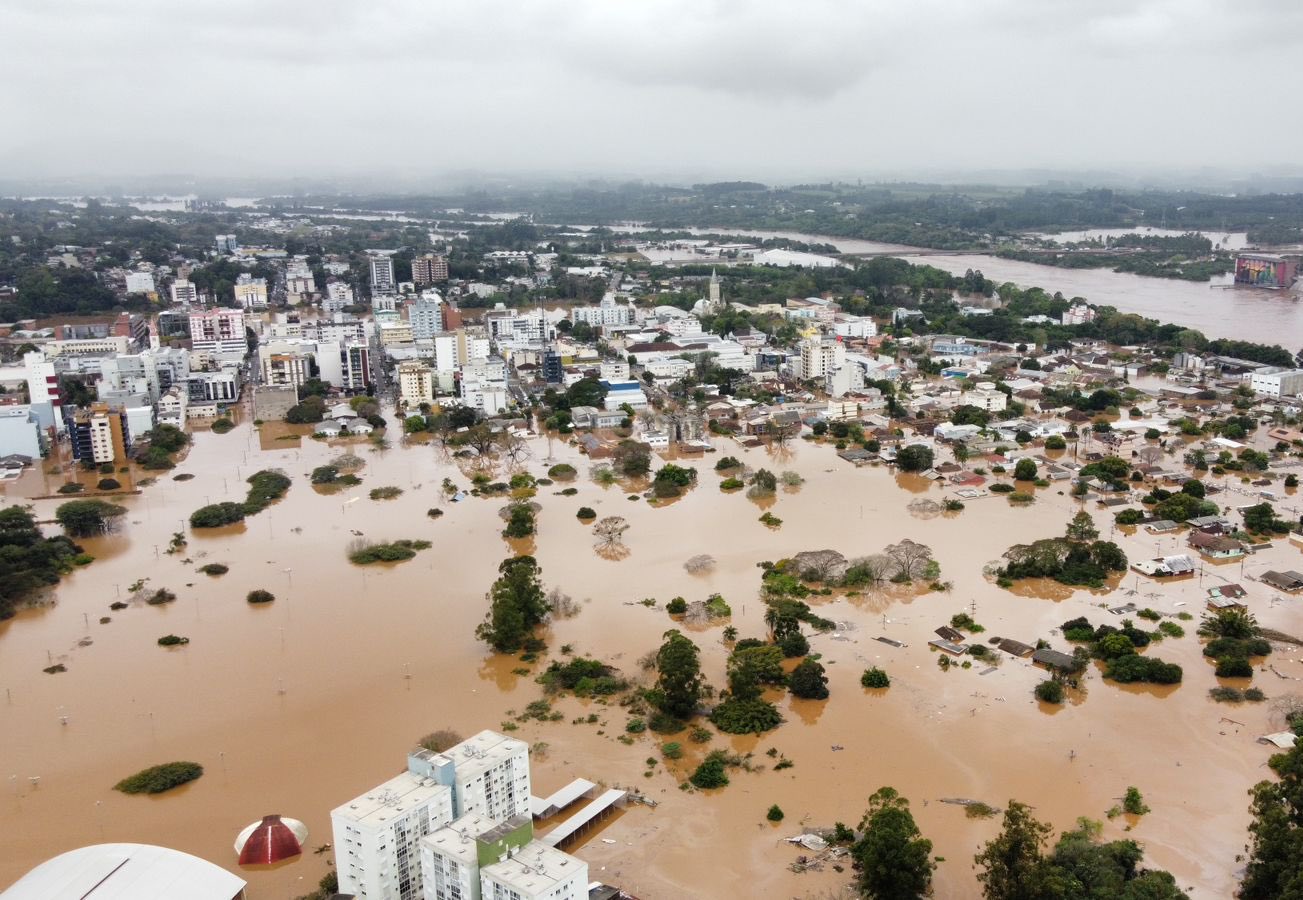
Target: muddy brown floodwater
[294, 706]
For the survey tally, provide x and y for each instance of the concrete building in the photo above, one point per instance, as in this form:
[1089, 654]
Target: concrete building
[43, 390]
[250, 292]
[140, 283]
[510, 325]
[535, 872]
[415, 384]
[21, 432]
[382, 275]
[339, 296]
[222, 386]
[100, 434]
[429, 269]
[270, 403]
[218, 331]
[287, 366]
[96, 346]
[609, 312]
[819, 357]
[1077, 314]
[452, 857]
[226, 243]
[855, 327]
[1275, 381]
[184, 293]
[378, 836]
[395, 333]
[426, 318]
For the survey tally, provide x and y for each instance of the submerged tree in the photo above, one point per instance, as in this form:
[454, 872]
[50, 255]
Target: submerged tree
[894, 858]
[678, 676]
[517, 605]
[1275, 867]
[87, 518]
[611, 530]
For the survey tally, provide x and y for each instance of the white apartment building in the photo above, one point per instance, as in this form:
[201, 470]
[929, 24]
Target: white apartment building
[614, 370]
[218, 331]
[184, 292]
[482, 385]
[608, 312]
[820, 356]
[429, 268]
[1077, 314]
[250, 292]
[140, 283]
[985, 397]
[426, 318]
[339, 296]
[671, 367]
[855, 327]
[415, 384]
[535, 872]
[382, 274]
[1275, 381]
[682, 325]
[378, 835]
[339, 328]
[43, 391]
[450, 858]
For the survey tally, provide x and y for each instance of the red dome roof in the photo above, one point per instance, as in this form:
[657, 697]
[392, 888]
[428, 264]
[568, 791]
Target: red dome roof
[270, 841]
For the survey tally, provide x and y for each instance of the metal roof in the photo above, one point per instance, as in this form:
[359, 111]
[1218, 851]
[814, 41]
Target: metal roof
[126, 872]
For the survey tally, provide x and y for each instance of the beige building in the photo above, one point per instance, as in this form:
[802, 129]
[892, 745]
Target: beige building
[415, 384]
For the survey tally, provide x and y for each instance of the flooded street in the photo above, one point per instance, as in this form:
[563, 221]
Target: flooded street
[294, 706]
[1214, 308]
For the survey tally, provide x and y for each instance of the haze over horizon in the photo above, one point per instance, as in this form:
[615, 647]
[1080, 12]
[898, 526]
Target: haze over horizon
[670, 89]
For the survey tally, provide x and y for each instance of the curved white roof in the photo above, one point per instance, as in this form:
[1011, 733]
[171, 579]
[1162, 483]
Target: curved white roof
[126, 872]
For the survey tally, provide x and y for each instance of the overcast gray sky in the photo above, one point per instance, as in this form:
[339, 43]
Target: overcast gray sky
[741, 88]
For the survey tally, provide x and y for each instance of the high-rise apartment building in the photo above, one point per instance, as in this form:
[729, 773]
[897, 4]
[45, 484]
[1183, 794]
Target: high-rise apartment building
[382, 274]
[100, 434]
[226, 243]
[377, 836]
[378, 852]
[250, 292]
[218, 330]
[426, 318]
[429, 269]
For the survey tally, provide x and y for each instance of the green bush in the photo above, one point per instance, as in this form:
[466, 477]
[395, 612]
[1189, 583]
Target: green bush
[562, 470]
[711, 773]
[1050, 691]
[1132, 667]
[260, 596]
[389, 492]
[672, 750]
[108, 484]
[775, 813]
[1055, 442]
[794, 644]
[1234, 667]
[727, 462]
[221, 426]
[172, 640]
[214, 569]
[745, 716]
[1001, 488]
[157, 779]
[875, 678]
[731, 484]
[677, 607]
[394, 551]
[215, 515]
[586, 513]
[72, 487]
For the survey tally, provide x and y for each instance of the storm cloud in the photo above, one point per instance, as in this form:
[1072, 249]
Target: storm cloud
[740, 88]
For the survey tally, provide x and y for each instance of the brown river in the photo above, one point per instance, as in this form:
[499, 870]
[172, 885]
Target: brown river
[1216, 308]
[293, 707]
